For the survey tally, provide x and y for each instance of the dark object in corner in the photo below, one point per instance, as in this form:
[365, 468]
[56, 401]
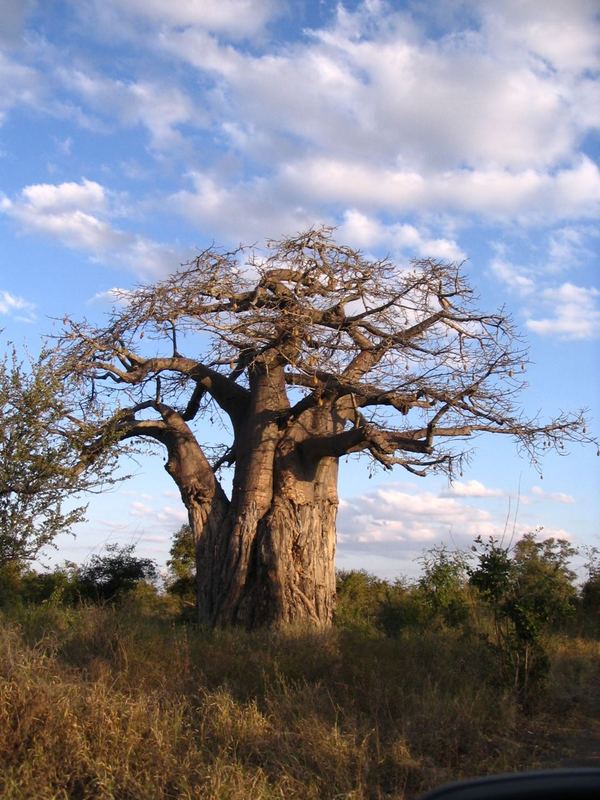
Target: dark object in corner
[555, 784]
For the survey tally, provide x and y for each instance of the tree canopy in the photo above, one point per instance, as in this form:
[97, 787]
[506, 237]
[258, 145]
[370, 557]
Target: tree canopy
[40, 463]
[307, 353]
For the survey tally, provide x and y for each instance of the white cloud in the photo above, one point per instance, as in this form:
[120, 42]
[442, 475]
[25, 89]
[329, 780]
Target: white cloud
[472, 488]
[70, 196]
[557, 497]
[165, 517]
[575, 313]
[564, 36]
[233, 18]
[571, 246]
[397, 521]
[516, 278]
[471, 97]
[370, 116]
[393, 521]
[116, 296]
[159, 108]
[363, 231]
[21, 85]
[251, 210]
[17, 307]
[78, 215]
[528, 195]
[138, 509]
[314, 190]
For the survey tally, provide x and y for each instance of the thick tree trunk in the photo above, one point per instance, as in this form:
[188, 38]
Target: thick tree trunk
[291, 574]
[264, 566]
[267, 556]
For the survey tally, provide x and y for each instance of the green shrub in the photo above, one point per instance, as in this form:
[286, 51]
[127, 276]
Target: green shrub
[444, 585]
[360, 596]
[110, 576]
[181, 581]
[403, 608]
[590, 592]
[527, 592]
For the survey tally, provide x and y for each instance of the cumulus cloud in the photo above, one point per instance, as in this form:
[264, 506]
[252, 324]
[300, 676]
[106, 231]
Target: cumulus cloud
[364, 231]
[471, 488]
[78, 215]
[516, 278]
[316, 189]
[528, 195]
[542, 30]
[232, 18]
[371, 112]
[379, 119]
[397, 521]
[17, 307]
[574, 313]
[371, 83]
[160, 108]
[251, 210]
[556, 497]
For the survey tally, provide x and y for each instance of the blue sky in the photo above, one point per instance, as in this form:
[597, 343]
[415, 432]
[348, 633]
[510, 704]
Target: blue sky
[135, 132]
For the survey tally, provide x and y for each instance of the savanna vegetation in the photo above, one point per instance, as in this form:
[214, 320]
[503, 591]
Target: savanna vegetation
[488, 662]
[252, 670]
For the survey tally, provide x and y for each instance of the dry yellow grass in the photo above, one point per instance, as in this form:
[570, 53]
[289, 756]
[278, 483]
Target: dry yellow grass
[99, 703]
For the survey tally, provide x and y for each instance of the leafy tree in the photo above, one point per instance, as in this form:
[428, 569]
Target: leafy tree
[544, 583]
[40, 469]
[19, 583]
[443, 584]
[182, 565]
[590, 591]
[360, 597]
[109, 576]
[305, 355]
[59, 585]
[528, 591]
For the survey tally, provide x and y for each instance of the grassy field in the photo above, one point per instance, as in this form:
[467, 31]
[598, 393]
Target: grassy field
[105, 702]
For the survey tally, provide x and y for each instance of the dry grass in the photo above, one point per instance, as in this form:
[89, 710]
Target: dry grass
[98, 703]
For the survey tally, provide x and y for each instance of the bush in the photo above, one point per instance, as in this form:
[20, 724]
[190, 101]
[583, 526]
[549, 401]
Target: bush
[181, 582]
[527, 592]
[110, 576]
[360, 596]
[11, 580]
[404, 608]
[444, 585]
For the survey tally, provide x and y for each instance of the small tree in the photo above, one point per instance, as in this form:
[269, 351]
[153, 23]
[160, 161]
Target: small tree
[544, 582]
[590, 591]
[360, 598]
[40, 469]
[528, 591]
[305, 355]
[444, 584]
[109, 576]
[182, 566]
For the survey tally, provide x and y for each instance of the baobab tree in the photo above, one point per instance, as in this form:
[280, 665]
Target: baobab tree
[308, 353]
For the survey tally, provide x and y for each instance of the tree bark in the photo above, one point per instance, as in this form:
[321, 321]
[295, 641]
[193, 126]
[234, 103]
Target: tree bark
[274, 567]
[267, 556]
